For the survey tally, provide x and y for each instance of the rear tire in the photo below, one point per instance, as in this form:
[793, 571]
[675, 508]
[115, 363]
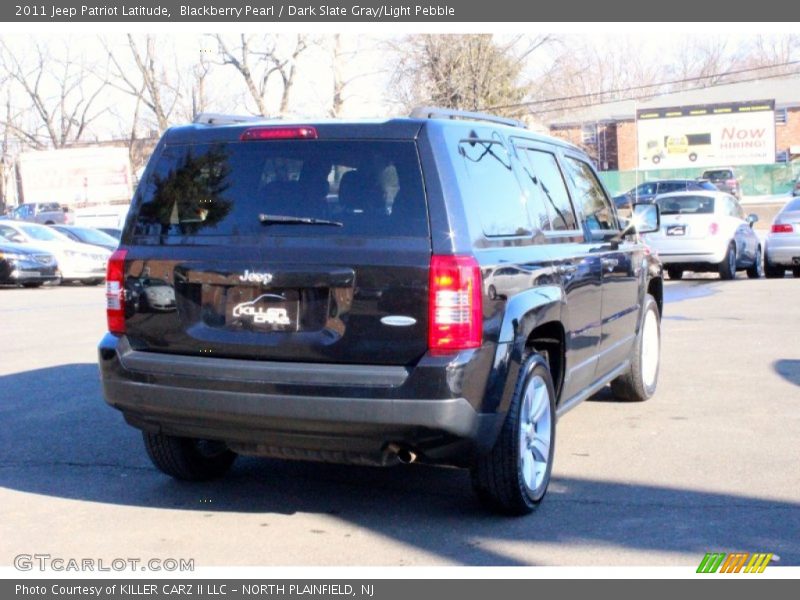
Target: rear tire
[757, 270]
[512, 479]
[640, 381]
[95, 281]
[727, 268]
[773, 271]
[674, 273]
[186, 458]
[796, 272]
[33, 284]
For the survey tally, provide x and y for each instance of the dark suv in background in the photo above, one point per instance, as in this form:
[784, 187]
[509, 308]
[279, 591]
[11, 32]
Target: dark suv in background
[725, 180]
[438, 289]
[646, 192]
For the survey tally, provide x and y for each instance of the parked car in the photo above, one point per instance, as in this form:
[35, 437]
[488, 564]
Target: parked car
[332, 298]
[783, 242]
[46, 213]
[796, 187]
[725, 180]
[115, 233]
[647, 191]
[87, 235]
[76, 262]
[25, 265]
[706, 231]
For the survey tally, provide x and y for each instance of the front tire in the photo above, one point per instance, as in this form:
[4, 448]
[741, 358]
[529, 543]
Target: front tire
[512, 479]
[186, 458]
[727, 268]
[757, 270]
[640, 381]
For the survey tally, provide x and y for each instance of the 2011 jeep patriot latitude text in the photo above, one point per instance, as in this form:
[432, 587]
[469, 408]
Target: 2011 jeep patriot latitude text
[435, 289]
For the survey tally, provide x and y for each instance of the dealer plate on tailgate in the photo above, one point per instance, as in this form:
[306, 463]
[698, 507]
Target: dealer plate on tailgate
[276, 310]
[676, 230]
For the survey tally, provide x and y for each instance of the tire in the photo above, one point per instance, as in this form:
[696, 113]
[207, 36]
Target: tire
[512, 479]
[796, 272]
[727, 268]
[33, 284]
[95, 281]
[656, 159]
[773, 271]
[186, 458]
[693, 157]
[640, 381]
[757, 270]
[675, 273]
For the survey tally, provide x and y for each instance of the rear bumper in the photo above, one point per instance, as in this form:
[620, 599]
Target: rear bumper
[783, 252]
[262, 408]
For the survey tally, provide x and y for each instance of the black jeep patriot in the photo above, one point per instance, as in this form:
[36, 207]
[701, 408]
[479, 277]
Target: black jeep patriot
[438, 289]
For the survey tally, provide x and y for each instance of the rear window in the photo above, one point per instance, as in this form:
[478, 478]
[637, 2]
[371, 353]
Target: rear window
[360, 188]
[792, 206]
[686, 205]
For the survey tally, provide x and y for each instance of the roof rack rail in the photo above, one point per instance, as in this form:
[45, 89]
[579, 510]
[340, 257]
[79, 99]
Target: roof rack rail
[223, 119]
[434, 112]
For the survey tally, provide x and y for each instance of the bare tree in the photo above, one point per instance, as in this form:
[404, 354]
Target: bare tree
[260, 60]
[468, 72]
[60, 93]
[151, 81]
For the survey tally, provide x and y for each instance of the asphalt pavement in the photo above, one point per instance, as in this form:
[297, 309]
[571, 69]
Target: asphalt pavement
[709, 464]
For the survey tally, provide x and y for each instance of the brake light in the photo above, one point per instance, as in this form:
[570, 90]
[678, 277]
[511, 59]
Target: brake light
[279, 132]
[455, 311]
[115, 292]
[782, 228]
[732, 182]
[713, 229]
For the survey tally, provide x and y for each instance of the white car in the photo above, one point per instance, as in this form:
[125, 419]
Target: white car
[76, 262]
[706, 231]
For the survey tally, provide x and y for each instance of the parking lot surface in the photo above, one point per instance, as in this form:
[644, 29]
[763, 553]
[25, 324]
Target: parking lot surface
[709, 464]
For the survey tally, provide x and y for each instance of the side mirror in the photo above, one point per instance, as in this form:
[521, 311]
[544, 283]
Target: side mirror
[646, 218]
[751, 219]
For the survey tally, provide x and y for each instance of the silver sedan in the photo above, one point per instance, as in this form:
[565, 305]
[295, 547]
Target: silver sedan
[706, 231]
[783, 242]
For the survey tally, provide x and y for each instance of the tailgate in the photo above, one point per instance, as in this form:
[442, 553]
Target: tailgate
[313, 251]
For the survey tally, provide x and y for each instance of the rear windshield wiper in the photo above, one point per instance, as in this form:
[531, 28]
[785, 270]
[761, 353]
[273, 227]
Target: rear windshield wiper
[287, 220]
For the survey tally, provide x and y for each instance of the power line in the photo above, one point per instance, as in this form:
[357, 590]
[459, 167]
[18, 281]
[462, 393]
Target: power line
[647, 86]
[648, 96]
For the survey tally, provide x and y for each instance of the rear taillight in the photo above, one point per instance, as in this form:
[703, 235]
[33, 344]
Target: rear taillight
[115, 292]
[782, 228]
[732, 182]
[713, 229]
[279, 132]
[455, 313]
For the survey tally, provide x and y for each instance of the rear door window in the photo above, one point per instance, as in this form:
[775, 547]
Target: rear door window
[548, 191]
[358, 188]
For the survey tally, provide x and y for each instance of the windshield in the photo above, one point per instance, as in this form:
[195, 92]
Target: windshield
[43, 234]
[373, 188]
[686, 205]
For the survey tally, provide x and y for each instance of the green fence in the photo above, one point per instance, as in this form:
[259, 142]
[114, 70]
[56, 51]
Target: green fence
[757, 180]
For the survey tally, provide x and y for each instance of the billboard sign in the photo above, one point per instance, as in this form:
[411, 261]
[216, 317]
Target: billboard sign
[76, 176]
[737, 133]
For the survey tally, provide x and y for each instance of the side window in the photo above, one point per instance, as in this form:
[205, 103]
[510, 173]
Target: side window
[550, 206]
[589, 194]
[647, 189]
[492, 188]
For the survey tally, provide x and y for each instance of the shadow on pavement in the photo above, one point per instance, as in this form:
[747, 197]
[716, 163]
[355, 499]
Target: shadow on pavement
[60, 439]
[789, 369]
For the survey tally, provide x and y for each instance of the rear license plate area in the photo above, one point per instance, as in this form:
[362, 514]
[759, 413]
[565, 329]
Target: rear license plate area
[255, 309]
[673, 230]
